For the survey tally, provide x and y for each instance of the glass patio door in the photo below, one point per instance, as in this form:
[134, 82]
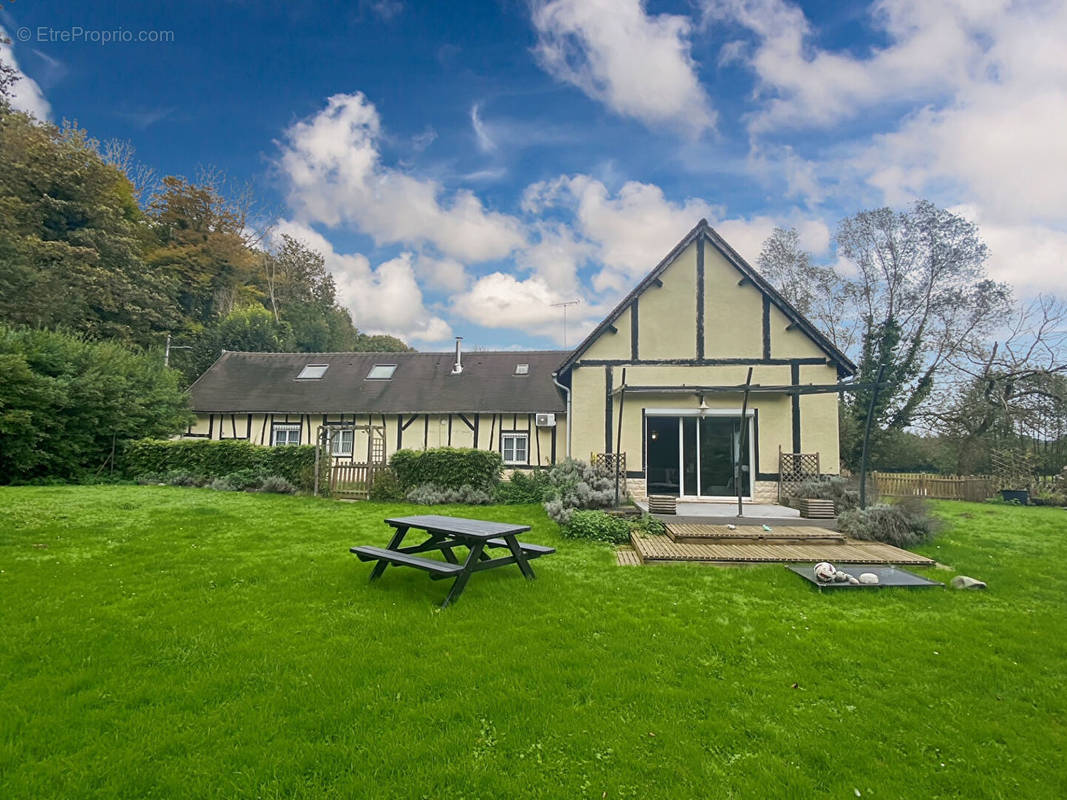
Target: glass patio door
[694, 456]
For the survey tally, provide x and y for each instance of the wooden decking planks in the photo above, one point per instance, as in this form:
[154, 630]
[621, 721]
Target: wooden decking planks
[751, 533]
[662, 548]
[627, 557]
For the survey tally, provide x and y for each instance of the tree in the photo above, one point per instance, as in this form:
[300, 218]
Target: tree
[818, 293]
[72, 238]
[924, 298]
[66, 403]
[250, 329]
[8, 77]
[1014, 389]
[200, 239]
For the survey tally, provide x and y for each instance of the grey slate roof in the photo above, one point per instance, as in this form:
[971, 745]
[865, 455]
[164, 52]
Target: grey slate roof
[422, 383]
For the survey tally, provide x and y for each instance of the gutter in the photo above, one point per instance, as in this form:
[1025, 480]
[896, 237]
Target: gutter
[568, 392]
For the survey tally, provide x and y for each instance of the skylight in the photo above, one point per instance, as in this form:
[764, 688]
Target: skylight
[381, 372]
[312, 372]
[522, 369]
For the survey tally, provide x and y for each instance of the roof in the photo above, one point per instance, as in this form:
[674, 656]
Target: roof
[422, 383]
[843, 363]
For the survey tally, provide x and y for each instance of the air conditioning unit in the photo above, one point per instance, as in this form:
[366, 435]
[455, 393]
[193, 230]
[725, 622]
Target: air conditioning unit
[545, 420]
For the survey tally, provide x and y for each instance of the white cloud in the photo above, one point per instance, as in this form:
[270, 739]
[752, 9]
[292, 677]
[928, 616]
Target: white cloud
[485, 141]
[26, 95]
[637, 65]
[933, 46]
[386, 299]
[445, 274]
[335, 176]
[499, 300]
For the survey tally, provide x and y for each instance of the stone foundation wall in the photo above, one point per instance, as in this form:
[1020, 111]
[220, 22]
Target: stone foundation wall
[764, 491]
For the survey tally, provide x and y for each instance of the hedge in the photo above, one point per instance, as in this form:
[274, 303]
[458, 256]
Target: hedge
[448, 468]
[213, 459]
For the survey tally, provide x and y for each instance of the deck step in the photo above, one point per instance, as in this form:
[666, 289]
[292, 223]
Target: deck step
[659, 549]
[783, 534]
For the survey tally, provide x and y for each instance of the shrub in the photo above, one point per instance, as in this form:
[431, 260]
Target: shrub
[1048, 497]
[276, 485]
[576, 485]
[224, 484]
[182, 477]
[216, 459]
[647, 524]
[844, 492]
[430, 494]
[449, 467]
[245, 480]
[386, 487]
[596, 526]
[524, 487]
[65, 402]
[903, 524]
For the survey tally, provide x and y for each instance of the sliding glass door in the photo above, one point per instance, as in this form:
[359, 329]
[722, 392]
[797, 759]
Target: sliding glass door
[695, 456]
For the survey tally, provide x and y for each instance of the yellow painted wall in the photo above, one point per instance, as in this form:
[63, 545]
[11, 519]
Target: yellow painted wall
[613, 345]
[733, 315]
[792, 343]
[667, 314]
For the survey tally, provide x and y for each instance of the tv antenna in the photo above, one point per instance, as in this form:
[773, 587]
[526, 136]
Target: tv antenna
[564, 307]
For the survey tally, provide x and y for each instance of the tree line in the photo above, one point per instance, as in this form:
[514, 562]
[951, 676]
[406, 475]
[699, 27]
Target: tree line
[951, 367]
[87, 247]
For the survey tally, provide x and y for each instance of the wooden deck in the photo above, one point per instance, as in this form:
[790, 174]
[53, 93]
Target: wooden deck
[652, 549]
[792, 534]
[627, 557]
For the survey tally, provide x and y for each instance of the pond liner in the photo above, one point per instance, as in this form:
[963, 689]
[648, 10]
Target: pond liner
[888, 576]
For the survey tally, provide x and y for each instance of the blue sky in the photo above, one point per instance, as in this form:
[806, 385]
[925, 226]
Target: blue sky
[464, 166]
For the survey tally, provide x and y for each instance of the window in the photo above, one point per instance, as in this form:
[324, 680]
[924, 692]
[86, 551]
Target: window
[515, 447]
[522, 369]
[342, 442]
[285, 434]
[312, 372]
[381, 372]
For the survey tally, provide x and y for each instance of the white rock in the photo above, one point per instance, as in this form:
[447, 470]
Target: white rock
[868, 577]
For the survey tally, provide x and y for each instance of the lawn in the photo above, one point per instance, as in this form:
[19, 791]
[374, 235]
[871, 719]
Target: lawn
[168, 642]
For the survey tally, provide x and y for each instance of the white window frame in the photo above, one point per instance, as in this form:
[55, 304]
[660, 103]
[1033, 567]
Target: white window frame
[287, 429]
[515, 437]
[311, 372]
[372, 377]
[337, 441]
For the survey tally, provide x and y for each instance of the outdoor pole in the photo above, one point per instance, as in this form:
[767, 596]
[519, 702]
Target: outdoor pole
[741, 444]
[317, 448]
[618, 435]
[867, 435]
[166, 353]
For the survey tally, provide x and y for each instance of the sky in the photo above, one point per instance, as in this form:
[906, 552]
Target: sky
[464, 167]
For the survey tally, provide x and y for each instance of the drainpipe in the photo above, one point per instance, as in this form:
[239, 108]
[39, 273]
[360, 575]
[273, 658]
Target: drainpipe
[568, 391]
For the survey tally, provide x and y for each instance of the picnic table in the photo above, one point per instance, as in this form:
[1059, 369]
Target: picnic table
[445, 535]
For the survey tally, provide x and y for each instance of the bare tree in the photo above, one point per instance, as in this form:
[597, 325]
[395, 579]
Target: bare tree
[924, 298]
[121, 154]
[1015, 383]
[819, 293]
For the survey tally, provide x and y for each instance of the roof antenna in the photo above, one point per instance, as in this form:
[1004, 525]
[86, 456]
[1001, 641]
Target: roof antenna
[457, 368]
[564, 307]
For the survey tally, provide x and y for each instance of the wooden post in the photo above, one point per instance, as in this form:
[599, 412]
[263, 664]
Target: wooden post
[867, 435]
[618, 434]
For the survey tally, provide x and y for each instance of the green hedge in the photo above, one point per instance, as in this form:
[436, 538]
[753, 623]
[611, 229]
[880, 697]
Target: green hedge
[447, 467]
[213, 459]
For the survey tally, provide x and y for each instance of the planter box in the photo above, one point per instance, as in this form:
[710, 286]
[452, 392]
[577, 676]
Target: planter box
[662, 504]
[811, 508]
[1021, 496]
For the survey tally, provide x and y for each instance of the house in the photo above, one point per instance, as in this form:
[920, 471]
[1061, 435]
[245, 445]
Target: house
[660, 380]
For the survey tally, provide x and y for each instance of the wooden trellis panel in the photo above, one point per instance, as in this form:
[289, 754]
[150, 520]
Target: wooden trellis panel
[795, 469]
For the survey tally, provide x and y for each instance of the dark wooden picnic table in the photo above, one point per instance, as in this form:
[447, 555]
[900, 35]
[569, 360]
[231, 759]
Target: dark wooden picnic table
[445, 535]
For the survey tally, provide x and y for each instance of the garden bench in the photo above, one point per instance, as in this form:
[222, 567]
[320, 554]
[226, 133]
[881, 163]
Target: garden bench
[445, 534]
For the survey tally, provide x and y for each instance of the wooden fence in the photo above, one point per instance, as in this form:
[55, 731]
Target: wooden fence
[940, 487]
[353, 480]
[975, 488]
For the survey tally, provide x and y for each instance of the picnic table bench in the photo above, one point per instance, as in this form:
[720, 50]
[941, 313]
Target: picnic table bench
[445, 535]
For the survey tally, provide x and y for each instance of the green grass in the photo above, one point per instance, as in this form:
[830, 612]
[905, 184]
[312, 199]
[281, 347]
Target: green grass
[163, 642]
